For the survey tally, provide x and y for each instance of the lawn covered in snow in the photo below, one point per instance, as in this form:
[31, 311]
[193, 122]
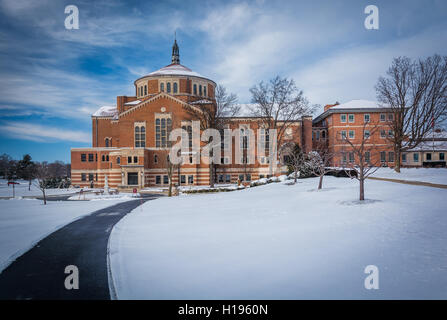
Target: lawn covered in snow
[23, 222]
[433, 175]
[21, 189]
[285, 242]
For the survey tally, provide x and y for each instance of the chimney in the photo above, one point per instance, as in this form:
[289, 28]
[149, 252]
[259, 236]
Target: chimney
[328, 106]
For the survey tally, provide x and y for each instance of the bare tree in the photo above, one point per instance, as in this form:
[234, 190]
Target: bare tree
[278, 103]
[42, 174]
[364, 150]
[320, 163]
[214, 115]
[416, 93]
[171, 170]
[293, 157]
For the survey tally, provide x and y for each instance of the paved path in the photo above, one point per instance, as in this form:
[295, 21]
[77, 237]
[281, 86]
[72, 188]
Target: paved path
[416, 183]
[39, 273]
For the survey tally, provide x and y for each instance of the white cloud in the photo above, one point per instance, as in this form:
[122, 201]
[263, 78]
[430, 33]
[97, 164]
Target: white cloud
[39, 133]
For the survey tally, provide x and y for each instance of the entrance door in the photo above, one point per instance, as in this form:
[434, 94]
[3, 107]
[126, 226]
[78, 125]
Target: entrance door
[132, 178]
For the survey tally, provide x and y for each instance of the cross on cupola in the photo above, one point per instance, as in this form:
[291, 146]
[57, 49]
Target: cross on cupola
[175, 53]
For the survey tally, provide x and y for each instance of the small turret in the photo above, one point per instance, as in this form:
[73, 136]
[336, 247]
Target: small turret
[175, 53]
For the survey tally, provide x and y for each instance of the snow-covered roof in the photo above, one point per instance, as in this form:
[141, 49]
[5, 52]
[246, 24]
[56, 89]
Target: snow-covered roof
[132, 103]
[175, 69]
[357, 104]
[203, 101]
[106, 111]
[430, 146]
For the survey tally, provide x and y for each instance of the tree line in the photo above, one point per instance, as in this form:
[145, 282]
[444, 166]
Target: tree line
[51, 174]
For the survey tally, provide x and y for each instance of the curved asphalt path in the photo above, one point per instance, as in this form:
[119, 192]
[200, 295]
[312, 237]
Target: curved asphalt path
[39, 273]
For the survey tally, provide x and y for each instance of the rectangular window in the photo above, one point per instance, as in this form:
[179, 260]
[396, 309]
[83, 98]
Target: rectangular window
[367, 157]
[221, 178]
[351, 118]
[343, 158]
[318, 135]
[382, 133]
[129, 160]
[404, 157]
[366, 117]
[90, 177]
[165, 180]
[191, 179]
[351, 134]
[351, 157]
[157, 179]
[228, 178]
[162, 129]
[415, 157]
[248, 177]
[145, 89]
[83, 157]
[241, 177]
[90, 157]
[391, 156]
[135, 159]
[83, 177]
[390, 133]
[343, 134]
[367, 134]
[441, 156]
[428, 156]
[182, 179]
[382, 156]
[342, 118]
[390, 117]
[382, 117]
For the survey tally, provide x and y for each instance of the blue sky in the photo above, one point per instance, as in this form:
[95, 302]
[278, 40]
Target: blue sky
[53, 79]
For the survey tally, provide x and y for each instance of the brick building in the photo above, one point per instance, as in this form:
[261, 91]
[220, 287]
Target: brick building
[130, 140]
[352, 120]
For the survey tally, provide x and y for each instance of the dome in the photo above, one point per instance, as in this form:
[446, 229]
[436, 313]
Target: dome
[175, 69]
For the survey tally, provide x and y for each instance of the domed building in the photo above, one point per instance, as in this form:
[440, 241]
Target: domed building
[130, 141]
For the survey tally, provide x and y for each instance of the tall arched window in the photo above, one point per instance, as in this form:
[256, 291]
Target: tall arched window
[175, 87]
[200, 90]
[204, 91]
[195, 89]
[168, 87]
[162, 87]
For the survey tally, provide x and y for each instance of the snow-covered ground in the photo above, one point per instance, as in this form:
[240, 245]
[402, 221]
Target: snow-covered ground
[21, 189]
[95, 197]
[278, 241]
[433, 175]
[24, 222]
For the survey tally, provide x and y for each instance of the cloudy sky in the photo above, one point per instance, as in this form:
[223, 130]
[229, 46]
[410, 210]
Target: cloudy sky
[52, 79]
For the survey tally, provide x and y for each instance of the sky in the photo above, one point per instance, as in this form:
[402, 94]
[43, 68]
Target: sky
[52, 79]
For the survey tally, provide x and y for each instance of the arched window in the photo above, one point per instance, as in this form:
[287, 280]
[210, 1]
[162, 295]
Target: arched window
[118, 160]
[168, 87]
[103, 158]
[175, 87]
[107, 158]
[145, 89]
[162, 87]
[155, 158]
[195, 89]
[204, 91]
[200, 90]
[107, 142]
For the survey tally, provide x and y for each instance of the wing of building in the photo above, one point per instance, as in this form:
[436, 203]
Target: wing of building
[130, 140]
